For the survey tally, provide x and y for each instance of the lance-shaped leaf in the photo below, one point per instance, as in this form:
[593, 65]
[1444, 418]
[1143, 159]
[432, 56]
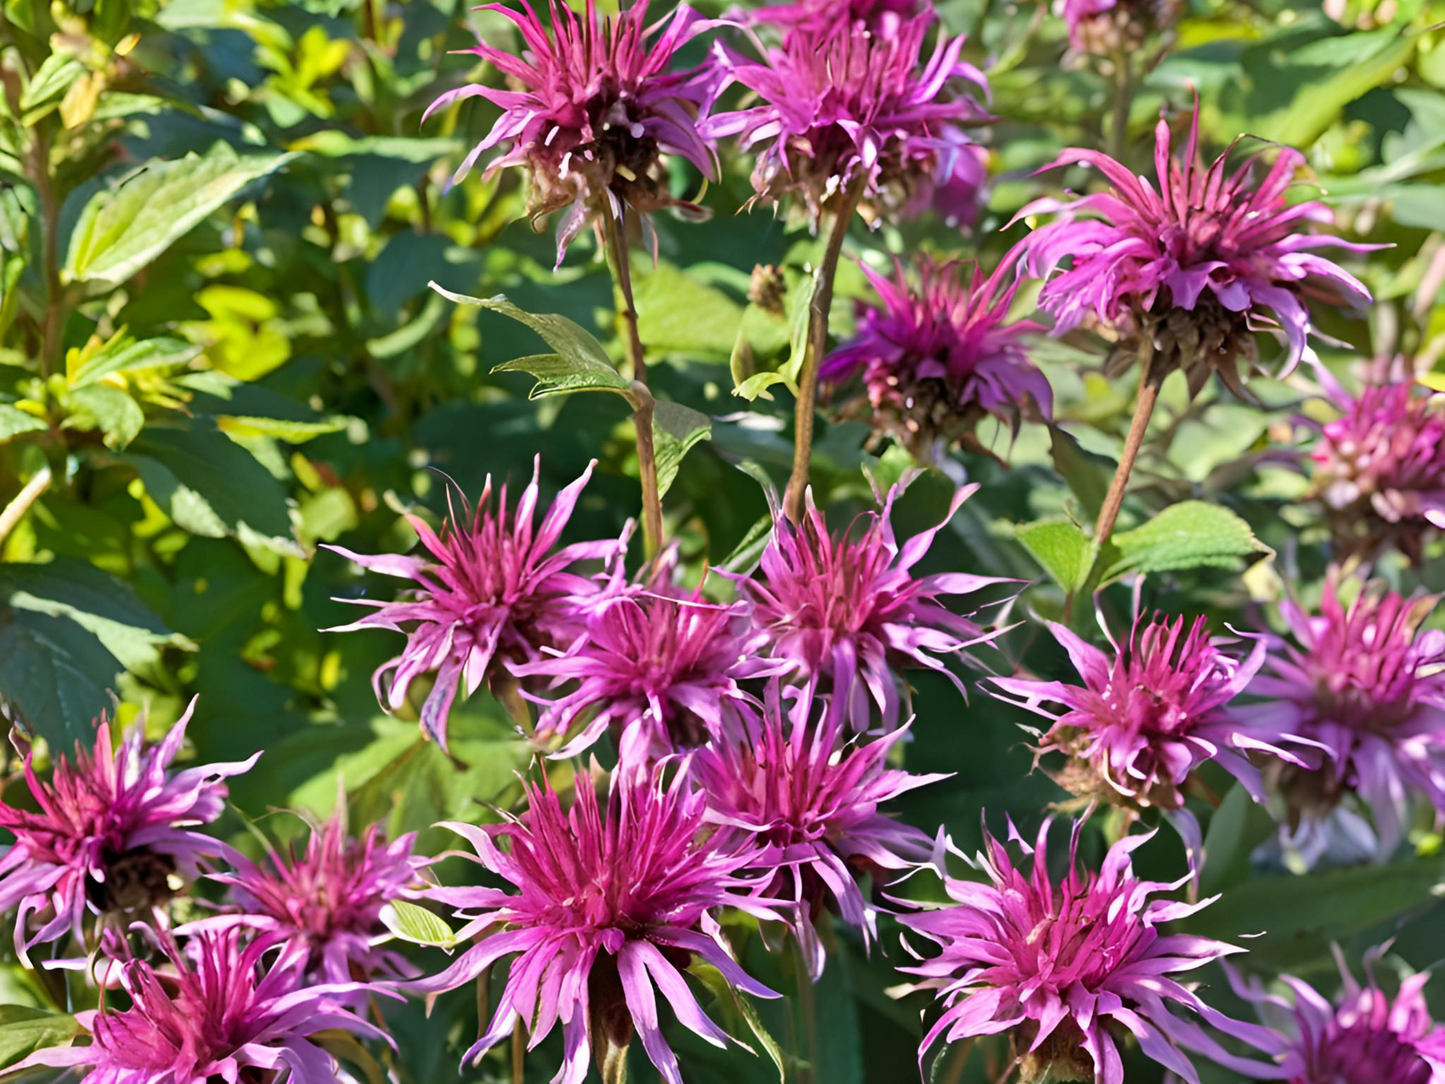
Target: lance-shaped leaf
[1192, 534]
[675, 430]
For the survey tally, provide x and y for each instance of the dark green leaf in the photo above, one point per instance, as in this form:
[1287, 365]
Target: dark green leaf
[54, 674]
[676, 429]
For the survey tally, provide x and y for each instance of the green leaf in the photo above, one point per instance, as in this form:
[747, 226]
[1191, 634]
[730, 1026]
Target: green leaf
[1087, 474]
[336, 144]
[1192, 534]
[1061, 548]
[676, 429]
[54, 675]
[13, 422]
[728, 997]
[1319, 103]
[579, 364]
[122, 355]
[113, 412]
[677, 314]
[293, 432]
[24, 1030]
[123, 229]
[417, 925]
[49, 84]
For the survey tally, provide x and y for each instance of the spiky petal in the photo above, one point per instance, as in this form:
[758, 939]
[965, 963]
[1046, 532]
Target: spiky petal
[1190, 268]
[1067, 966]
[843, 106]
[490, 594]
[1365, 684]
[937, 357]
[598, 913]
[593, 109]
[877, 16]
[808, 800]
[114, 834]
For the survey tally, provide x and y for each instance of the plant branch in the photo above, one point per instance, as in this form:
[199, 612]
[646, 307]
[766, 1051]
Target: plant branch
[614, 233]
[1123, 101]
[1149, 382]
[15, 511]
[819, 309]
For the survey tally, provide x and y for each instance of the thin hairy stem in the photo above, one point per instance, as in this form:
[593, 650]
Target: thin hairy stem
[1149, 382]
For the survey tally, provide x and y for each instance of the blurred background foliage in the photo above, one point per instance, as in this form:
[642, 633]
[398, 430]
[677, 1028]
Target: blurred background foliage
[218, 220]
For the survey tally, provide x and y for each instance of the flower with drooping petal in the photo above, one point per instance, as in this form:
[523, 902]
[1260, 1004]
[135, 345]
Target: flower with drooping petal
[1067, 967]
[809, 800]
[113, 836]
[225, 1009]
[1186, 273]
[662, 668]
[1113, 28]
[1149, 712]
[1380, 468]
[603, 911]
[1363, 1038]
[841, 106]
[847, 612]
[937, 357]
[490, 595]
[1365, 684]
[592, 109]
[328, 899]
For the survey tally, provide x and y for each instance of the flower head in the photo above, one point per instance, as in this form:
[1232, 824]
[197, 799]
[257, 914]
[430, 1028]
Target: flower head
[841, 106]
[1362, 1038]
[1190, 271]
[1066, 967]
[663, 668]
[846, 611]
[492, 594]
[1108, 28]
[817, 15]
[327, 899]
[223, 1009]
[1365, 685]
[114, 834]
[603, 910]
[938, 357]
[810, 802]
[1380, 468]
[592, 109]
[1149, 712]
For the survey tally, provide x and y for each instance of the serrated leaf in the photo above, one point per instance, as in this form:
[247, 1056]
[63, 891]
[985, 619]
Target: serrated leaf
[1192, 534]
[1061, 548]
[25, 1030]
[122, 355]
[113, 412]
[558, 376]
[678, 314]
[13, 422]
[416, 924]
[122, 229]
[293, 432]
[676, 429]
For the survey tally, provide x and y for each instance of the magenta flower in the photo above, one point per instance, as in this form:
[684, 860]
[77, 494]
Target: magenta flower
[662, 670]
[841, 106]
[113, 835]
[1150, 712]
[809, 804]
[219, 1012]
[1380, 469]
[938, 357]
[604, 911]
[1113, 28]
[813, 16]
[592, 108]
[847, 613]
[1364, 1038]
[1192, 270]
[1365, 684]
[1066, 967]
[328, 900]
[491, 596]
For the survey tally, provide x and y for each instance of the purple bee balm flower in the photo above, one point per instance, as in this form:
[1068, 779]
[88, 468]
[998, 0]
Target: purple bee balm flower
[218, 1012]
[1149, 712]
[591, 110]
[490, 595]
[113, 836]
[1113, 28]
[604, 912]
[848, 614]
[327, 899]
[938, 357]
[1365, 685]
[1187, 273]
[1066, 967]
[663, 670]
[841, 106]
[813, 16]
[1380, 468]
[1363, 1038]
[810, 802]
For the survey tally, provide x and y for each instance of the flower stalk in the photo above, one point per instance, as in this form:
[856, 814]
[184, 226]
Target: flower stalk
[15, 511]
[1150, 379]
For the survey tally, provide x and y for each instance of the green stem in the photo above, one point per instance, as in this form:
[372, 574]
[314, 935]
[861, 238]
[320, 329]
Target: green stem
[808, 1004]
[1123, 101]
[508, 691]
[819, 310]
[52, 327]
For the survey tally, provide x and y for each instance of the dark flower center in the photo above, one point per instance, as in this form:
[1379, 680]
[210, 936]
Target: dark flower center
[135, 880]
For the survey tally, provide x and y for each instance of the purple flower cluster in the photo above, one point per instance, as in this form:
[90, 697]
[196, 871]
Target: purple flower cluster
[1113, 28]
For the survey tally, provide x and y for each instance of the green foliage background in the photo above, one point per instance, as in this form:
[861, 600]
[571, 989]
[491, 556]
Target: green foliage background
[218, 220]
